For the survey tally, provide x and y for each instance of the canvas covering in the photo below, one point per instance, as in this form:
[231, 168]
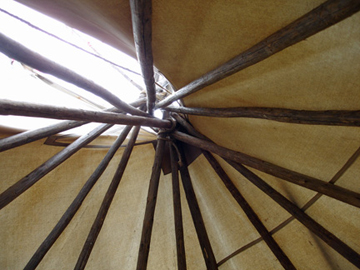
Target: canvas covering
[189, 39]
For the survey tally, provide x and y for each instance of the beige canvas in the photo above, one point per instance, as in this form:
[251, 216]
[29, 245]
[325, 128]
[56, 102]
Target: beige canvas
[191, 38]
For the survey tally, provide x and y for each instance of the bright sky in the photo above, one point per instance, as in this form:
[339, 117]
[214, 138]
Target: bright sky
[20, 84]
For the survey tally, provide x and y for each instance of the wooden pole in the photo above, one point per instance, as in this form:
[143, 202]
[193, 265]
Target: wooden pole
[141, 11]
[150, 204]
[329, 238]
[320, 18]
[191, 130]
[33, 135]
[123, 73]
[204, 241]
[75, 205]
[312, 183]
[179, 231]
[137, 103]
[304, 208]
[20, 53]
[254, 219]
[100, 218]
[8, 107]
[68, 43]
[26, 182]
[188, 127]
[329, 117]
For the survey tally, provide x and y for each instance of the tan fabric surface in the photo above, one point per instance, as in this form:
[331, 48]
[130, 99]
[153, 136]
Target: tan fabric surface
[189, 39]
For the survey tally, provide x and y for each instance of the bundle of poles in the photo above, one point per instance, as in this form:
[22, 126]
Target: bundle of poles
[135, 115]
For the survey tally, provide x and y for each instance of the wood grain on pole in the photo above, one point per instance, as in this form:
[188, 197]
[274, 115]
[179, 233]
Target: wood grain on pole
[312, 183]
[75, 205]
[252, 216]
[8, 107]
[105, 205]
[33, 135]
[329, 238]
[194, 207]
[328, 117]
[26, 182]
[68, 43]
[336, 177]
[36, 134]
[178, 220]
[150, 204]
[187, 126]
[22, 54]
[141, 11]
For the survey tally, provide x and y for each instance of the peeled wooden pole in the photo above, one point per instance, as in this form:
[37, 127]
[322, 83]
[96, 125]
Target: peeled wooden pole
[150, 204]
[203, 237]
[33, 135]
[179, 231]
[312, 183]
[141, 21]
[254, 219]
[188, 127]
[329, 238]
[329, 117]
[137, 103]
[67, 42]
[346, 166]
[320, 18]
[75, 205]
[8, 107]
[100, 218]
[20, 53]
[317, 196]
[26, 182]
[192, 130]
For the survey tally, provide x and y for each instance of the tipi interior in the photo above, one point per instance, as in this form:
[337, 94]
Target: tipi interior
[253, 166]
